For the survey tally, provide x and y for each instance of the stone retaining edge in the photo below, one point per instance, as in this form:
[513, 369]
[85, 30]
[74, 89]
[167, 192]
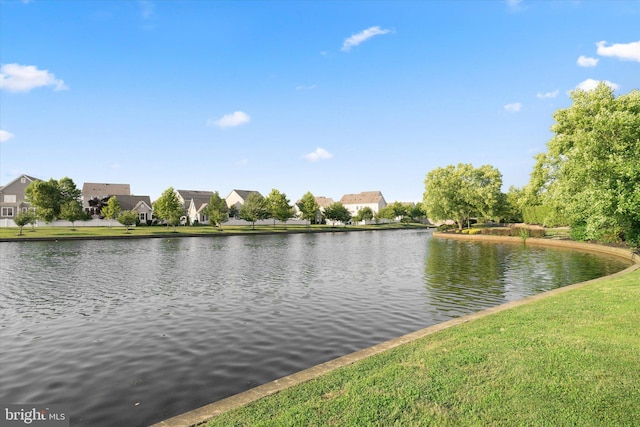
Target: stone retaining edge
[205, 413]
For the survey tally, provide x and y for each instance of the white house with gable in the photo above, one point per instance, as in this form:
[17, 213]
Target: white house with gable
[355, 202]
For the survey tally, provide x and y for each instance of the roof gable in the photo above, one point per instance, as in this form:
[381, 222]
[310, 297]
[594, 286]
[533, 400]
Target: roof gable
[244, 194]
[18, 180]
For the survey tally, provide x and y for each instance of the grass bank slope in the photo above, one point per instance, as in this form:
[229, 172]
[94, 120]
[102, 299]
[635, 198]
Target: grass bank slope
[569, 359]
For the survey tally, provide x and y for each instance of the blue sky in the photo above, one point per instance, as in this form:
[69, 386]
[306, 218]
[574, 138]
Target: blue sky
[329, 97]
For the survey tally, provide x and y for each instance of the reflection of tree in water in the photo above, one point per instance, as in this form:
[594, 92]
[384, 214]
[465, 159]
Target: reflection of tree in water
[464, 276]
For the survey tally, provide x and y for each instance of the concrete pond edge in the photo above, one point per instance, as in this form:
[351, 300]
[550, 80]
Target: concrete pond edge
[205, 413]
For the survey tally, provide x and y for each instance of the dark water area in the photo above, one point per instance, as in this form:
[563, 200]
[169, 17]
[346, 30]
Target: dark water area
[134, 332]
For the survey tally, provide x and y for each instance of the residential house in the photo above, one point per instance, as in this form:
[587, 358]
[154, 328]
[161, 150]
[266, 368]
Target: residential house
[322, 201]
[96, 195]
[372, 199]
[237, 198]
[194, 202]
[12, 198]
[140, 204]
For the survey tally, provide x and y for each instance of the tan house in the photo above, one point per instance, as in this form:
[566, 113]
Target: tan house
[12, 198]
[194, 202]
[372, 199]
[238, 197]
[96, 195]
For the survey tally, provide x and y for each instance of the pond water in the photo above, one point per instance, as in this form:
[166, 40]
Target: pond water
[133, 332]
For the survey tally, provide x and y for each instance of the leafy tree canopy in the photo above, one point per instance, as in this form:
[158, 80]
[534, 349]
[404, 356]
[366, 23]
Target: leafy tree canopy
[459, 192]
[279, 206]
[217, 210]
[128, 219]
[590, 173]
[308, 207]
[111, 210]
[72, 211]
[337, 212]
[364, 214]
[168, 207]
[48, 197]
[254, 209]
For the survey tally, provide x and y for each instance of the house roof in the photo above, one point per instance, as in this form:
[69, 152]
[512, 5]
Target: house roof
[104, 189]
[194, 194]
[128, 203]
[323, 202]
[243, 193]
[365, 197]
[30, 178]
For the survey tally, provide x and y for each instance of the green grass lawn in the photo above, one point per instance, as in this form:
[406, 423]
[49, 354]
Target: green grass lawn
[570, 359]
[48, 232]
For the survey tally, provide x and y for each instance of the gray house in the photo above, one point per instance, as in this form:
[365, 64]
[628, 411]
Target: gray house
[12, 198]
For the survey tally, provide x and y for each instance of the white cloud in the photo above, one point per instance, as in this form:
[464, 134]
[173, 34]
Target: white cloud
[243, 162]
[591, 84]
[319, 154]
[514, 5]
[147, 8]
[305, 87]
[585, 61]
[625, 52]
[362, 36]
[5, 135]
[513, 108]
[230, 120]
[547, 95]
[23, 78]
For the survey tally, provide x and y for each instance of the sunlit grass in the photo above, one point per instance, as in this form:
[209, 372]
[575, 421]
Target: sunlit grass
[566, 360]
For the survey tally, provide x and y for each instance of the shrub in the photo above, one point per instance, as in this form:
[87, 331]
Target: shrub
[578, 231]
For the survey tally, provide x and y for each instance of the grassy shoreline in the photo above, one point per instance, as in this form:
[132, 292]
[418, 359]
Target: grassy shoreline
[571, 358]
[10, 234]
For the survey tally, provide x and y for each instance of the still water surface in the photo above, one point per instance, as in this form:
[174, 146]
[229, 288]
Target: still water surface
[133, 332]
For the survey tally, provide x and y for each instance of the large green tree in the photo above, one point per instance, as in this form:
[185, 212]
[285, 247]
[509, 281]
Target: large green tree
[337, 212]
[254, 209]
[48, 197]
[168, 207]
[217, 210]
[590, 174]
[279, 207]
[308, 207]
[462, 191]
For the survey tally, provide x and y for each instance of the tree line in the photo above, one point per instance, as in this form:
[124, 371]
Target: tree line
[588, 179]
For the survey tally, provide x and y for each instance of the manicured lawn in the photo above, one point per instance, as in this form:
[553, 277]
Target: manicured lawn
[571, 359]
[119, 231]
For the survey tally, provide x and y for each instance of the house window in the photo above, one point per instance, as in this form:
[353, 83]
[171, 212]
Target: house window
[7, 211]
[142, 216]
[9, 198]
[23, 180]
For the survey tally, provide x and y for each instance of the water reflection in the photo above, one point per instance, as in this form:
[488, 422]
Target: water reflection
[173, 324]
